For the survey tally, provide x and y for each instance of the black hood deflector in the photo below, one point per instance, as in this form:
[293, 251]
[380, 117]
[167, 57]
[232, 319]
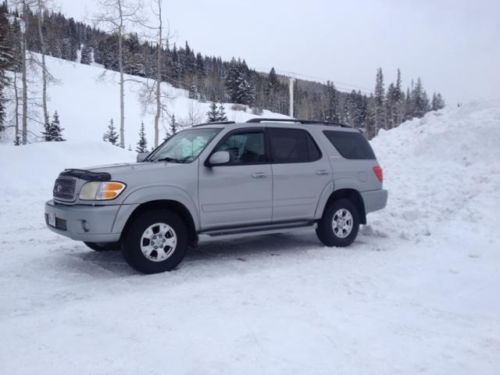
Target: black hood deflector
[86, 175]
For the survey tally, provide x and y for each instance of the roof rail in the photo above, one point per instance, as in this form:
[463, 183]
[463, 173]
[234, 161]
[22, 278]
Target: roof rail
[214, 123]
[303, 122]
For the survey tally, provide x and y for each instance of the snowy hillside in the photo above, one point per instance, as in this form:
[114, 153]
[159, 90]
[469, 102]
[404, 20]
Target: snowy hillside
[87, 97]
[416, 293]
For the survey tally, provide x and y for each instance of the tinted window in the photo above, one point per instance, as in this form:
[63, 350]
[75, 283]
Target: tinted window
[350, 145]
[292, 146]
[244, 148]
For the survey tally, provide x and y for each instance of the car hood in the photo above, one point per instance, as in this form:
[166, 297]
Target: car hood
[118, 171]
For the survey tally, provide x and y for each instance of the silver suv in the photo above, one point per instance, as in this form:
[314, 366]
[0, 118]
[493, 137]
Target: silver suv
[262, 176]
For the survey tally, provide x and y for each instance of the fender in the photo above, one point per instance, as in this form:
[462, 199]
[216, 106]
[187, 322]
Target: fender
[323, 198]
[340, 183]
[153, 193]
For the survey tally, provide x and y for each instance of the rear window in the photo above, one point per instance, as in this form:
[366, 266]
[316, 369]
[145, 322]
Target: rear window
[292, 146]
[350, 145]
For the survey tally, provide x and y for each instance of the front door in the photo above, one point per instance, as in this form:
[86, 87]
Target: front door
[239, 192]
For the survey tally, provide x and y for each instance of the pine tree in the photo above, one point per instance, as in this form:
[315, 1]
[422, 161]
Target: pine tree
[86, 57]
[222, 113]
[408, 106]
[173, 124]
[193, 92]
[213, 113]
[370, 124]
[379, 98]
[239, 88]
[2, 109]
[437, 102]
[390, 107]
[111, 135]
[6, 60]
[142, 144]
[420, 100]
[53, 130]
[398, 102]
[331, 112]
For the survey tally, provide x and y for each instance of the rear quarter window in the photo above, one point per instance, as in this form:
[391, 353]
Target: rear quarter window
[350, 145]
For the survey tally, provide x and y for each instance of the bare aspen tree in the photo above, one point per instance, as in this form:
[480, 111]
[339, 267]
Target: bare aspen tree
[16, 107]
[158, 72]
[151, 94]
[117, 15]
[24, 78]
[41, 9]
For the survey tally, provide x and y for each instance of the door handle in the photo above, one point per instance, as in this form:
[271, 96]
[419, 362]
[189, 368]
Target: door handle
[322, 172]
[259, 175]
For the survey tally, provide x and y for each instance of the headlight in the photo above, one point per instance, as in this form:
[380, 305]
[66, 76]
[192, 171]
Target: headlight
[101, 191]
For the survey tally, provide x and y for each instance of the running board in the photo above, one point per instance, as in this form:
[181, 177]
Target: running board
[258, 229]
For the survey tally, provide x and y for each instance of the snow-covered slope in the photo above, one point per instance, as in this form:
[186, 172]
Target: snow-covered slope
[87, 97]
[416, 293]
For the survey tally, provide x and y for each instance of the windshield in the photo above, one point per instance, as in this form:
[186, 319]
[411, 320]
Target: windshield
[185, 146]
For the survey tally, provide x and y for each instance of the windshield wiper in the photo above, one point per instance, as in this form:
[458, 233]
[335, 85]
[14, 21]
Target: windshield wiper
[171, 160]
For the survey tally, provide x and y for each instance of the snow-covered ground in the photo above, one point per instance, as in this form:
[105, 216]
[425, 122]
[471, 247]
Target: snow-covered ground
[86, 97]
[418, 292]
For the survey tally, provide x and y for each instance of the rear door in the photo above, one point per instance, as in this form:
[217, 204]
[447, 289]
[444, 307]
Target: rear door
[239, 192]
[300, 173]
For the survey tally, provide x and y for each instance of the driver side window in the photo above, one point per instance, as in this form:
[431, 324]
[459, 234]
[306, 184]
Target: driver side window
[245, 148]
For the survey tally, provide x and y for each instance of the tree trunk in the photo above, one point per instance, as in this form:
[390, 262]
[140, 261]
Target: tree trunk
[122, 83]
[158, 76]
[24, 78]
[44, 66]
[16, 107]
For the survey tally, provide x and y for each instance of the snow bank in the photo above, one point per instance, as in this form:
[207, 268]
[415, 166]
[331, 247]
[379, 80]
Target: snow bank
[442, 168]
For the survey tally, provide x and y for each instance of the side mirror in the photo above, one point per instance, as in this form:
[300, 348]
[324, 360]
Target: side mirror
[141, 156]
[219, 158]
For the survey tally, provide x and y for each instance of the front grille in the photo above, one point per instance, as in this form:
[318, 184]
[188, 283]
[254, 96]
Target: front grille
[64, 189]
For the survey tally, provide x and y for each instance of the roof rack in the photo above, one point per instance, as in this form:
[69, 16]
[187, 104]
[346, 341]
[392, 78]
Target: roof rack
[214, 123]
[303, 122]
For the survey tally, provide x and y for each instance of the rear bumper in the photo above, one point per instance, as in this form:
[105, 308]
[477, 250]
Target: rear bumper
[83, 223]
[374, 200]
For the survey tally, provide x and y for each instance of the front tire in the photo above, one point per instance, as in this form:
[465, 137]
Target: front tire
[156, 241]
[339, 225]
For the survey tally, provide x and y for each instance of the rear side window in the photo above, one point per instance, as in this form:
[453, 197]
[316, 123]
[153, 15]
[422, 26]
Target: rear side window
[350, 145]
[292, 146]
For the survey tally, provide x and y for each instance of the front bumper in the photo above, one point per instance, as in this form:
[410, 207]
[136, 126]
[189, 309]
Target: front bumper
[374, 200]
[82, 223]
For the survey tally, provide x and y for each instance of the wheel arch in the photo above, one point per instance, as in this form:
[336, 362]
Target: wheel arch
[354, 196]
[171, 205]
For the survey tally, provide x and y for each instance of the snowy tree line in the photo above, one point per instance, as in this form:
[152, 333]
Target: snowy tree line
[32, 27]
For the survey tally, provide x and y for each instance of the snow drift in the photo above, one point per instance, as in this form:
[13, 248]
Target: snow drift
[417, 291]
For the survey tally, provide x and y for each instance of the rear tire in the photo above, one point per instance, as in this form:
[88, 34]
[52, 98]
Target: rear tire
[156, 241]
[103, 246]
[339, 225]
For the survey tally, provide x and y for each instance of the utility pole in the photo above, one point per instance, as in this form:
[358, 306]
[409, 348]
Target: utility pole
[290, 86]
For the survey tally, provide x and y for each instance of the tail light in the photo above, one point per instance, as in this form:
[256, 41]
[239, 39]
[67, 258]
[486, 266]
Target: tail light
[379, 173]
